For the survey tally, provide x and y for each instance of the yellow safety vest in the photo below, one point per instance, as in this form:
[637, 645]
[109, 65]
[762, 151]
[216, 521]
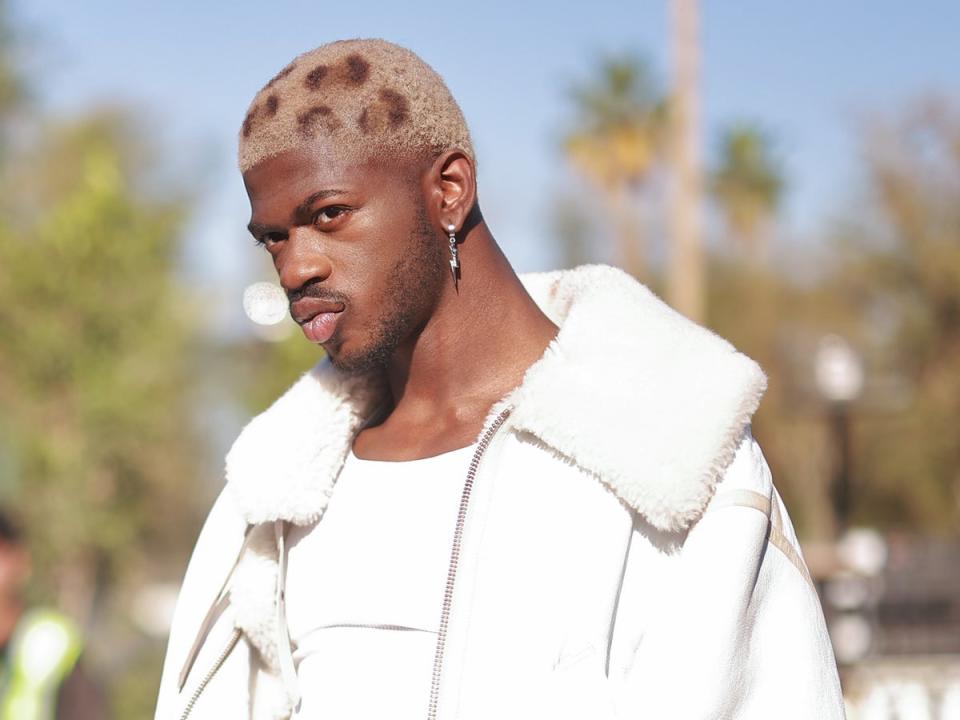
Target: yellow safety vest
[43, 650]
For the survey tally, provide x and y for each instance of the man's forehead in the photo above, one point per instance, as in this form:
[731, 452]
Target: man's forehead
[312, 172]
[305, 166]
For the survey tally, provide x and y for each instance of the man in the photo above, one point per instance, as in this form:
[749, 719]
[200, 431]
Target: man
[496, 497]
[40, 674]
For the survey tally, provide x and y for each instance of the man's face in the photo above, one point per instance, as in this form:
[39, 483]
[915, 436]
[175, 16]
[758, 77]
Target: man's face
[353, 248]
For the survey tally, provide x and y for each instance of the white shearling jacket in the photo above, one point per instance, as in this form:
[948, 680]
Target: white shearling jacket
[620, 551]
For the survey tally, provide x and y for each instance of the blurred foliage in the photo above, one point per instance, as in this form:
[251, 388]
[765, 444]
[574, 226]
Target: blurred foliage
[12, 86]
[888, 282]
[899, 268]
[98, 457]
[94, 367]
[620, 123]
[134, 683]
[615, 141]
[778, 322]
[747, 184]
[886, 277]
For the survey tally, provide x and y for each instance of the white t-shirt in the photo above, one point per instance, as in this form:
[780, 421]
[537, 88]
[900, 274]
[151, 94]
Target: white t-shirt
[365, 587]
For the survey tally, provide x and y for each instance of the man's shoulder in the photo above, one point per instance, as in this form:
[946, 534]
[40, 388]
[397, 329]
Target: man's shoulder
[637, 393]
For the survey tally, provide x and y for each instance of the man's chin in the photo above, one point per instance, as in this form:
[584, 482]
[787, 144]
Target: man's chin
[356, 363]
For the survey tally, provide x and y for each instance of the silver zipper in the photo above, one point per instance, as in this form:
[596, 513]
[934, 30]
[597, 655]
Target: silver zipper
[455, 559]
[222, 658]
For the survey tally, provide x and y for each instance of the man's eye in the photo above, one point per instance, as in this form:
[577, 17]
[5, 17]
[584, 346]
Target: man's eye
[328, 214]
[267, 240]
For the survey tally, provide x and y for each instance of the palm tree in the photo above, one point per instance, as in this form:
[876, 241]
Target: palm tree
[616, 139]
[748, 185]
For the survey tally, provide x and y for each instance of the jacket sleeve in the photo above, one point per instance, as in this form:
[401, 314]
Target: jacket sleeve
[734, 628]
[219, 541]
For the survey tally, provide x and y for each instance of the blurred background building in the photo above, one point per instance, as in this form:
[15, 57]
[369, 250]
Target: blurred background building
[789, 176]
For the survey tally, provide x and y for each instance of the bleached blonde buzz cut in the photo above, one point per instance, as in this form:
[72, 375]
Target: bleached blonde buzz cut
[368, 97]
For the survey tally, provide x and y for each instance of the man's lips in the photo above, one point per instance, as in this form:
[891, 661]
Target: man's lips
[321, 327]
[318, 318]
[305, 309]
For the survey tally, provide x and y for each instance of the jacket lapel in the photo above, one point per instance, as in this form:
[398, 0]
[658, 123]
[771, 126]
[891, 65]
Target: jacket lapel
[629, 389]
[285, 461]
[636, 393]
[633, 392]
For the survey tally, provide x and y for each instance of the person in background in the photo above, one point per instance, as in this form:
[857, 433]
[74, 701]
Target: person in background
[41, 677]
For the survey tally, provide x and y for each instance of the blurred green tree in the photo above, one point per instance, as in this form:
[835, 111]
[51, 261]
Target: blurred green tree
[97, 451]
[889, 282]
[747, 184]
[12, 86]
[615, 141]
[899, 269]
[94, 361]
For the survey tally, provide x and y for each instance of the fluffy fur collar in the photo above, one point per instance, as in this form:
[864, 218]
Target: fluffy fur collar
[629, 389]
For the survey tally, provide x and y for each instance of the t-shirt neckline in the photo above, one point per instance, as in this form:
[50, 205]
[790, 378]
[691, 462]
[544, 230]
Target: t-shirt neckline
[430, 458]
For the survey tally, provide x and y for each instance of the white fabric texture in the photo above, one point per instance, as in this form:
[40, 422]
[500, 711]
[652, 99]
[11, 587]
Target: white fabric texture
[592, 581]
[364, 587]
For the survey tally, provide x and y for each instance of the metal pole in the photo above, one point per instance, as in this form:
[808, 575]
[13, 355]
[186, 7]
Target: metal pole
[843, 461]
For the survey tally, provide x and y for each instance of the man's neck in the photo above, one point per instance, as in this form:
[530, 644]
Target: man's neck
[474, 349]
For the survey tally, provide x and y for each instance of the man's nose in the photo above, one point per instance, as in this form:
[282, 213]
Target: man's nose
[302, 262]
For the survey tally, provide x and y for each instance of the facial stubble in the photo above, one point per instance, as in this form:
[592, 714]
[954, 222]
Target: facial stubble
[412, 287]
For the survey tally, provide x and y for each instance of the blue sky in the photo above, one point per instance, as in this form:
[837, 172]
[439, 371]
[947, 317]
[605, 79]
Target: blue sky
[806, 72]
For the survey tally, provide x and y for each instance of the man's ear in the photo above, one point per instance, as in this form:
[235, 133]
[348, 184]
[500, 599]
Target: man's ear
[451, 189]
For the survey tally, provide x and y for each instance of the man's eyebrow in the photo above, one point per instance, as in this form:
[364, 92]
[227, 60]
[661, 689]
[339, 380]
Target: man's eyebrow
[304, 207]
[257, 229]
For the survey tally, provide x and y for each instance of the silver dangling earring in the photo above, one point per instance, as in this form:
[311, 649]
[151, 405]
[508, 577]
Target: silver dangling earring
[454, 261]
